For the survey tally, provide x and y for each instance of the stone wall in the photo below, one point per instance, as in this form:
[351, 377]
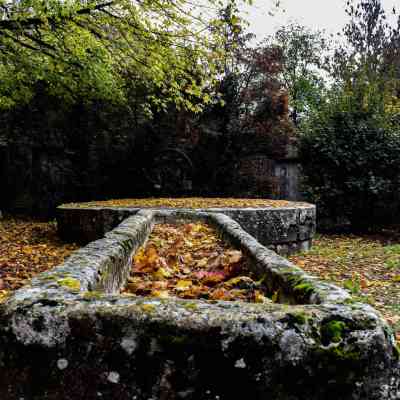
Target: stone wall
[51, 154]
[277, 179]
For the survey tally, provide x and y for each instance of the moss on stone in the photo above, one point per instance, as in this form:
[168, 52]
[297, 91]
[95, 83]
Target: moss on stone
[177, 340]
[70, 283]
[49, 277]
[148, 308]
[333, 331]
[299, 318]
[93, 295]
[305, 287]
[299, 284]
[338, 352]
[191, 306]
[53, 277]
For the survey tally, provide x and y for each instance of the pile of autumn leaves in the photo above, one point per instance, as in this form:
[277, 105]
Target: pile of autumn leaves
[28, 247]
[190, 261]
[188, 202]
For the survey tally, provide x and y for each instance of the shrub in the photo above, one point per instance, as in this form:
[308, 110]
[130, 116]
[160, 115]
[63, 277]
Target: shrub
[351, 165]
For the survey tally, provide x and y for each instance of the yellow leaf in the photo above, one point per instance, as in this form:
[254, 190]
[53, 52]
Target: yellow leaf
[201, 263]
[162, 294]
[27, 249]
[162, 273]
[183, 285]
[275, 296]
[259, 297]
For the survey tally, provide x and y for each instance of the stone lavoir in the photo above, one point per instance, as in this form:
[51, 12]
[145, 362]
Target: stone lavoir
[283, 226]
[70, 334]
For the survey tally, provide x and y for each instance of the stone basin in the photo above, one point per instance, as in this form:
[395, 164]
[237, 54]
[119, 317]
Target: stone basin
[283, 226]
[71, 335]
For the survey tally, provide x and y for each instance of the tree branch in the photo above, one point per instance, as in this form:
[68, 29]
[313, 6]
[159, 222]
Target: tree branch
[18, 24]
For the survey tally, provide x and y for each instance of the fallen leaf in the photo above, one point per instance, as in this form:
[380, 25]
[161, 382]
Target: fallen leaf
[234, 256]
[183, 285]
[161, 273]
[162, 294]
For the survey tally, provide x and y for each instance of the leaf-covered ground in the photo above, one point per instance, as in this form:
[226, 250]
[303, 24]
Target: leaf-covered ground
[368, 266]
[190, 261]
[26, 249]
[189, 202]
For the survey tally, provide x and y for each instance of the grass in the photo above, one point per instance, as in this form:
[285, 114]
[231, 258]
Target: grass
[366, 265]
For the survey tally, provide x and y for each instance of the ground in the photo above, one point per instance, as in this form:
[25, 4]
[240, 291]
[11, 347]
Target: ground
[27, 248]
[367, 265]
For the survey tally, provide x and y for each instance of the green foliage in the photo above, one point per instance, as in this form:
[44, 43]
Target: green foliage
[302, 60]
[99, 50]
[350, 146]
[351, 161]
[353, 285]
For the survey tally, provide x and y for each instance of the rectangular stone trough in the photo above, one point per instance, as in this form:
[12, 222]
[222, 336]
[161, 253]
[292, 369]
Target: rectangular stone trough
[71, 335]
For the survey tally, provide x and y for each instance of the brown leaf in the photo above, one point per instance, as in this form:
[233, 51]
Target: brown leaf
[210, 278]
[233, 256]
[220, 294]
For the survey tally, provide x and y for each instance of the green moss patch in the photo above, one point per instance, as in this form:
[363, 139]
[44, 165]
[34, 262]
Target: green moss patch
[333, 332]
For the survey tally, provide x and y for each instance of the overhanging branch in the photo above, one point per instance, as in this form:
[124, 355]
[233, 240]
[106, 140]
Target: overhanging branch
[18, 24]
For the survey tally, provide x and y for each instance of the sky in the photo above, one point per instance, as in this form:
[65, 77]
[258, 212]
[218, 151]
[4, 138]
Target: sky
[328, 15]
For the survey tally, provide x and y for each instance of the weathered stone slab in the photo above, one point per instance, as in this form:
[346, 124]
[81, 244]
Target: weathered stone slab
[284, 229]
[69, 335]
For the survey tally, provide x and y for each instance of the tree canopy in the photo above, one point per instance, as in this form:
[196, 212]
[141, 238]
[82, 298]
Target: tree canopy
[104, 49]
[302, 55]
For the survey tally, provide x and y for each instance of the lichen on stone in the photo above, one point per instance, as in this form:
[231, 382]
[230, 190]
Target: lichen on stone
[70, 283]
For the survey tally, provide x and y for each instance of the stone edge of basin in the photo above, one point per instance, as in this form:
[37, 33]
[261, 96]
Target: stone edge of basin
[46, 314]
[285, 229]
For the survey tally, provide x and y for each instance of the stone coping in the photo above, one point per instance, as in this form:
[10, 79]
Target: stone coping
[69, 335]
[285, 229]
[189, 203]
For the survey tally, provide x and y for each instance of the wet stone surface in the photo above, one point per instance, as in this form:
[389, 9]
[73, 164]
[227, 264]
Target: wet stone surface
[71, 335]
